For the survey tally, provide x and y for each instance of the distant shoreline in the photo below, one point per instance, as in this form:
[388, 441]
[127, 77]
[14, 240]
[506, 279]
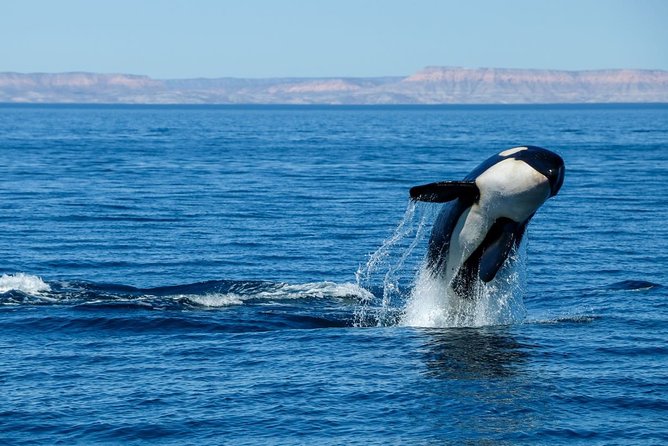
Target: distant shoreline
[430, 86]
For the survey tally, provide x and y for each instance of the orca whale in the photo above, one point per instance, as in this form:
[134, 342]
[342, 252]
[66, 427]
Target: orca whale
[486, 214]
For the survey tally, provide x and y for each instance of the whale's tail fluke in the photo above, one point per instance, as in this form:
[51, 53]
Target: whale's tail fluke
[444, 191]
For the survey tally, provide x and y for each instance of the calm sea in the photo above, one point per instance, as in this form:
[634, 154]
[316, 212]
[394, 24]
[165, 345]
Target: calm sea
[234, 275]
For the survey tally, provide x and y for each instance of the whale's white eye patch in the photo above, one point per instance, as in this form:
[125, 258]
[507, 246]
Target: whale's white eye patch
[512, 151]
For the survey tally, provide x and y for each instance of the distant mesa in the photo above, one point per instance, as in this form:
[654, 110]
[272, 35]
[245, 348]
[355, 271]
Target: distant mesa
[432, 85]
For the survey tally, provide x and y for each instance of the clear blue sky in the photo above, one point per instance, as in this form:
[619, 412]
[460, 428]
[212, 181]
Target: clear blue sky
[263, 38]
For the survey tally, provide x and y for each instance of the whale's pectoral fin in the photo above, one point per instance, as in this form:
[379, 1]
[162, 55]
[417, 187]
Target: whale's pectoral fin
[446, 191]
[507, 236]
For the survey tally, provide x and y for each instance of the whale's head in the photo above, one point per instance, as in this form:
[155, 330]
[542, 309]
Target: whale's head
[517, 181]
[520, 178]
[543, 161]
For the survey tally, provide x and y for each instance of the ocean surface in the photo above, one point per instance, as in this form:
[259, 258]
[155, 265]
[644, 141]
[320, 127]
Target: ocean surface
[237, 275]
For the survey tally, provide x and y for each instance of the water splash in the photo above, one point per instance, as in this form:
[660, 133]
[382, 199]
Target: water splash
[500, 302]
[391, 268]
[24, 283]
[406, 293]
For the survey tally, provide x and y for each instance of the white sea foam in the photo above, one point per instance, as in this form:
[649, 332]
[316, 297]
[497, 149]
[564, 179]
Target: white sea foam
[25, 283]
[278, 292]
[323, 290]
[214, 300]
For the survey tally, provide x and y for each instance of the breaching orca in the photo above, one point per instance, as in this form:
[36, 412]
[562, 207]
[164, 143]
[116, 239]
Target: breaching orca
[487, 213]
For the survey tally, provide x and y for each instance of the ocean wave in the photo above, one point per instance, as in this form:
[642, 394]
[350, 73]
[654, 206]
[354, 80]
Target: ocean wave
[632, 285]
[21, 288]
[564, 319]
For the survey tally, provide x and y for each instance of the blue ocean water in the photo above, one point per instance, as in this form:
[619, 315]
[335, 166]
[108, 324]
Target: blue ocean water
[236, 275]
